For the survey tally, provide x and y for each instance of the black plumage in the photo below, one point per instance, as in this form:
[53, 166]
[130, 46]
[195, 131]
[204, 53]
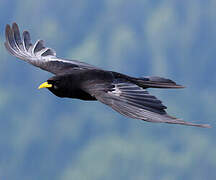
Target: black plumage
[73, 79]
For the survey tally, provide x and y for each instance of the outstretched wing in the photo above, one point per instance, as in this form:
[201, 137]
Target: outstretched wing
[134, 102]
[37, 54]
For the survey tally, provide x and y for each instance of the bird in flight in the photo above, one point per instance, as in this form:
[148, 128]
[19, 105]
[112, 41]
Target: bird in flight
[74, 79]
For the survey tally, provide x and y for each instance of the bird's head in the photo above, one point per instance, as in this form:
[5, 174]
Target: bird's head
[57, 85]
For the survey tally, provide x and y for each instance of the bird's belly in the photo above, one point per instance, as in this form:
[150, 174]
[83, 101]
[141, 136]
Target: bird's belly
[79, 94]
[73, 93]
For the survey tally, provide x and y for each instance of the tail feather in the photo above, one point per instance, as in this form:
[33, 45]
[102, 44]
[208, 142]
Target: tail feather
[157, 82]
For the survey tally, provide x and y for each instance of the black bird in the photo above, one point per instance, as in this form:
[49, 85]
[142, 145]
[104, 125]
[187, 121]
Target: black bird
[73, 79]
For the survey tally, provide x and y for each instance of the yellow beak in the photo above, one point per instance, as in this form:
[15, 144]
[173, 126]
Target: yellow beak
[45, 85]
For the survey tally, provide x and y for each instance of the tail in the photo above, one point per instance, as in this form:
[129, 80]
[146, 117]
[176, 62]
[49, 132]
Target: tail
[156, 82]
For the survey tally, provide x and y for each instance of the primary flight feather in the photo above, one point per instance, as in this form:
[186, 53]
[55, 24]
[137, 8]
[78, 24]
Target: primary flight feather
[73, 79]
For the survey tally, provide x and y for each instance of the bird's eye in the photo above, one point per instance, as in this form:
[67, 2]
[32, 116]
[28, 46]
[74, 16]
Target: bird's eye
[55, 87]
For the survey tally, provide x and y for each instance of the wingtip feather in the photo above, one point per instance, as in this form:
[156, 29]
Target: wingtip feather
[7, 31]
[15, 26]
[180, 86]
[7, 27]
[174, 120]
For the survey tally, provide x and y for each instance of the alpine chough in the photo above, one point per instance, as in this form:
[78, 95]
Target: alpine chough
[74, 79]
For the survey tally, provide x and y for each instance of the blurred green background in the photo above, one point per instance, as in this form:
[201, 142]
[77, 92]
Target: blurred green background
[43, 137]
